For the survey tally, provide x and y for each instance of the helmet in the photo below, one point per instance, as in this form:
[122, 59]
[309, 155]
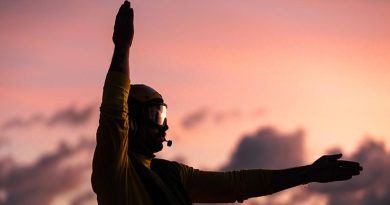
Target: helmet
[143, 94]
[146, 103]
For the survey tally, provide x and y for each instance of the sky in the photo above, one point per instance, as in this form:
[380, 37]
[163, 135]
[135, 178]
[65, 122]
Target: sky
[271, 84]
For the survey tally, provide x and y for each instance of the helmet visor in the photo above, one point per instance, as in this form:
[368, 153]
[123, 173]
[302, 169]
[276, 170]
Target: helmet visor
[158, 114]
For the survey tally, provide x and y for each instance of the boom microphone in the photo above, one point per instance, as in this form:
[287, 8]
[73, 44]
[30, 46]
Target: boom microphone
[169, 142]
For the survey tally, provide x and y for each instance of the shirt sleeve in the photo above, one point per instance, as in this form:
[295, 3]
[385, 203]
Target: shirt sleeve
[225, 187]
[110, 157]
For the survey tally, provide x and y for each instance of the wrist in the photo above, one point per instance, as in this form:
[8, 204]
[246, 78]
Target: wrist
[305, 175]
[123, 49]
[120, 59]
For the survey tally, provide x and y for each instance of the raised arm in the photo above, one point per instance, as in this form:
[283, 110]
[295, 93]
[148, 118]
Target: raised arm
[110, 158]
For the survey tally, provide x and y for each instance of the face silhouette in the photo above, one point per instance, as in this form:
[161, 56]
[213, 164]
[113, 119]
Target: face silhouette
[151, 127]
[149, 138]
[152, 137]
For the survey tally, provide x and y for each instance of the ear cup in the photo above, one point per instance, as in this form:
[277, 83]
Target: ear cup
[133, 125]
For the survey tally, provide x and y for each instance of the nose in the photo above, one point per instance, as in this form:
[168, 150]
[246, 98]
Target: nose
[164, 128]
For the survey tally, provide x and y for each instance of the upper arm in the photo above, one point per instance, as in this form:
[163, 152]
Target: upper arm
[225, 187]
[110, 156]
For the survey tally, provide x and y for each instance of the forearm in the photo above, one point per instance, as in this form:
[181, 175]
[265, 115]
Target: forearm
[288, 178]
[122, 38]
[120, 60]
[227, 187]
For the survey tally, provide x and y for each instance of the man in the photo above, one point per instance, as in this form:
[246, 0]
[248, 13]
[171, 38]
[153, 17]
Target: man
[132, 128]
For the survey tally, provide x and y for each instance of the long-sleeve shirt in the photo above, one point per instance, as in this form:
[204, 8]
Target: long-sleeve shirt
[116, 181]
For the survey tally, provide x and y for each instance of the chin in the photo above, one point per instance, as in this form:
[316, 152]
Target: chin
[157, 148]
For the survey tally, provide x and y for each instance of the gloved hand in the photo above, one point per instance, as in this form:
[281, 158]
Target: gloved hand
[329, 168]
[124, 26]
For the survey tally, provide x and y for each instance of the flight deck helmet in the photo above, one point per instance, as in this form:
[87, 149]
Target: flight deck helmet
[146, 104]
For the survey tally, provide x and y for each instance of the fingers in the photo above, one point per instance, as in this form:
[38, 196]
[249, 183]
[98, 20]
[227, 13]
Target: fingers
[125, 5]
[348, 171]
[353, 167]
[342, 177]
[350, 164]
[125, 12]
[124, 26]
[327, 160]
[333, 157]
[345, 170]
[344, 174]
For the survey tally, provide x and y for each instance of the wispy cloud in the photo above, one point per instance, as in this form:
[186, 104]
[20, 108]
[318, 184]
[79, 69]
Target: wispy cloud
[221, 116]
[19, 122]
[70, 116]
[193, 119]
[202, 115]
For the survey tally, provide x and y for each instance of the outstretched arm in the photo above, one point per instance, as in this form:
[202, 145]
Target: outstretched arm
[224, 187]
[326, 169]
[122, 38]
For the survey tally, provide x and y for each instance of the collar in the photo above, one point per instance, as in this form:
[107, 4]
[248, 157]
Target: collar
[146, 161]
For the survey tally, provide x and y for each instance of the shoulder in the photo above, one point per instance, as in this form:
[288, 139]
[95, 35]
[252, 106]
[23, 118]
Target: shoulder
[171, 164]
[183, 171]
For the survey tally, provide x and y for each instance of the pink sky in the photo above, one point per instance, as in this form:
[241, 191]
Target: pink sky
[320, 66]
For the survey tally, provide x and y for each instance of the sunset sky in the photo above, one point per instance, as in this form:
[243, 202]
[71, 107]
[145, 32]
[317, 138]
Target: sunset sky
[296, 79]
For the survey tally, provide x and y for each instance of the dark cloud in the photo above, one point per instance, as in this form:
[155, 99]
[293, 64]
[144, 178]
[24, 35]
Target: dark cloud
[268, 149]
[68, 116]
[41, 182]
[371, 187]
[195, 118]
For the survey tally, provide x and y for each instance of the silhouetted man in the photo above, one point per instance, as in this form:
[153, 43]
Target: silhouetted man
[132, 128]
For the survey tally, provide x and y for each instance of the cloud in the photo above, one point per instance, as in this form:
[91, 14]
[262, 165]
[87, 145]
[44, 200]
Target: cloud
[3, 141]
[69, 116]
[257, 112]
[224, 115]
[18, 122]
[203, 114]
[193, 119]
[83, 198]
[49, 177]
[371, 187]
[268, 149]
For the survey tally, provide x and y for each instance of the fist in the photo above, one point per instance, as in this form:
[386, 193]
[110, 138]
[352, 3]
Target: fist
[124, 26]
